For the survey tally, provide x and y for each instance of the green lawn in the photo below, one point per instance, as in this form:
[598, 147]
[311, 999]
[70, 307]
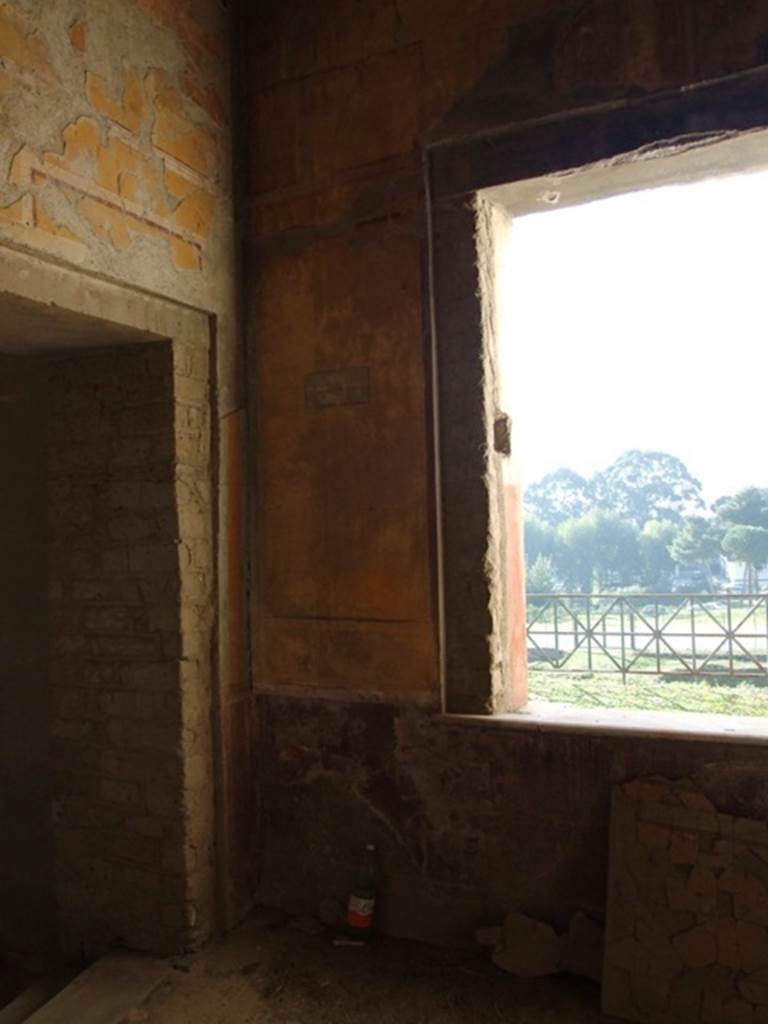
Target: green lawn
[651, 693]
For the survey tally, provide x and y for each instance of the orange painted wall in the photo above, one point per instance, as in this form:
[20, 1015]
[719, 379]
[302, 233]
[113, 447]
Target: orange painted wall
[517, 642]
[339, 98]
[343, 536]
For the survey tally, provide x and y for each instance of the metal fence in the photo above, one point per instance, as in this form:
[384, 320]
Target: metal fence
[673, 635]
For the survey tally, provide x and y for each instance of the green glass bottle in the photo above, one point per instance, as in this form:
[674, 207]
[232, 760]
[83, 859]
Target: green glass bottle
[362, 900]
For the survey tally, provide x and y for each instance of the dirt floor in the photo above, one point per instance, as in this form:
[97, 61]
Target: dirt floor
[12, 981]
[270, 973]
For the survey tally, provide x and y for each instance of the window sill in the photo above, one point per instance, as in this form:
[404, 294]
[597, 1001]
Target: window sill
[540, 716]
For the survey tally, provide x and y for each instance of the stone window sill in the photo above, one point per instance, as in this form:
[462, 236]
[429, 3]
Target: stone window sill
[540, 716]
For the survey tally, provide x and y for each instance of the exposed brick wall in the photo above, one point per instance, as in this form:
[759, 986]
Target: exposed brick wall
[130, 611]
[114, 584]
[115, 160]
[116, 148]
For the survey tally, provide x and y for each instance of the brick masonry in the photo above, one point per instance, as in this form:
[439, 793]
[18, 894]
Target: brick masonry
[139, 156]
[115, 605]
[130, 588]
[115, 160]
[115, 153]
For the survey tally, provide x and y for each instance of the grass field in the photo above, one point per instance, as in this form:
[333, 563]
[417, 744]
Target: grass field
[725, 696]
[728, 639]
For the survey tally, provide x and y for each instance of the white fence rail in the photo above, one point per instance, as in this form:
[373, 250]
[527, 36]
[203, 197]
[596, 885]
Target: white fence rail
[679, 635]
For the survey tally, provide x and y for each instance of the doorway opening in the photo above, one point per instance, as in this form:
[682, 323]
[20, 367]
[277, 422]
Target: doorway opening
[627, 303]
[89, 477]
[106, 620]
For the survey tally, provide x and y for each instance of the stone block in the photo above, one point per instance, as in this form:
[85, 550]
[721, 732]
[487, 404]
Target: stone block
[650, 994]
[732, 880]
[628, 955]
[741, 945]
[686, 818]
[654, 836]
[751, 902]
[684, 847]
[754, 988]
[749, 831]
[696, 800]
[686, 996]
[528, 948]
[734, 1011]
[697, 947]
[702, 883]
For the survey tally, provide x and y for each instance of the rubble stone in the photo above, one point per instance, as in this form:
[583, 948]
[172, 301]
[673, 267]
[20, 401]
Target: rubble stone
[684, 848]
[698, 947]
[687, 929]
[528, 948]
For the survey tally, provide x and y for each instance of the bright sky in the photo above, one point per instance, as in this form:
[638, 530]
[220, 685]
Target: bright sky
[640, 322]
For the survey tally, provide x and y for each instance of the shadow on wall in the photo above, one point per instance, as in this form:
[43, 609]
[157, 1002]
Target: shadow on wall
[27, 921]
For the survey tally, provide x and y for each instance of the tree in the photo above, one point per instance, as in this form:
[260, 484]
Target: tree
[643, 485]
[539, 577]
[579, 552]
[540, 540]
[657, 565]
[618, 551]
[598, 548]
[747, 508]
[745, 511]
[748, 544]
[697, 542]
[559, 496]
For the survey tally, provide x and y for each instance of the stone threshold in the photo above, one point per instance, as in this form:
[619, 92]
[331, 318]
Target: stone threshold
[541, 716]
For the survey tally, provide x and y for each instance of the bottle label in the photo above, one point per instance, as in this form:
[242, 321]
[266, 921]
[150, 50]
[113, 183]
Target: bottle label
[360, 912]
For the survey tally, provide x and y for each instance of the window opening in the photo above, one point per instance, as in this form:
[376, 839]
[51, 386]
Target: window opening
[632, 359]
